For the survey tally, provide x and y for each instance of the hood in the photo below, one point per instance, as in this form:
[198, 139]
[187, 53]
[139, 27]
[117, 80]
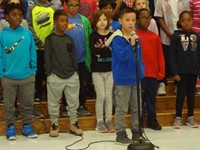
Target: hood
[19, 28]
[116, 33]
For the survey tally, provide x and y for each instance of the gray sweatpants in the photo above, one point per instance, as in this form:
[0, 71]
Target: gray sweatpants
[55, 87]
[126, 97]
[26, 89]
[103, 83]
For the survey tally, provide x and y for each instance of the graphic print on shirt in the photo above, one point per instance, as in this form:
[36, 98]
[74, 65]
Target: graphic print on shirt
[185, 40]
[71, 26]
[9, 50]
[85, 9]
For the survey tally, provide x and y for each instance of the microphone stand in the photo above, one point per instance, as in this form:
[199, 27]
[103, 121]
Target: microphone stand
[141, 145]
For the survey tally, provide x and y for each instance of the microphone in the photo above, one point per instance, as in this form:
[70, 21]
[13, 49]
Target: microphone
[136, 42]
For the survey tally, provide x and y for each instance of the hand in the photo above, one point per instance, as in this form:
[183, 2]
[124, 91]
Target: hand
[100, 44]
[42, 46]
[177, 78]
[133, 39]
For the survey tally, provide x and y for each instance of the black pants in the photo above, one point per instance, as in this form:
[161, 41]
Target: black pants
[167, 66]
[40, 74]
[186, 87]
[149, 89]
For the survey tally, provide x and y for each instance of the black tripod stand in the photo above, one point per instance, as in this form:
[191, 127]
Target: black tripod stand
[141, 145]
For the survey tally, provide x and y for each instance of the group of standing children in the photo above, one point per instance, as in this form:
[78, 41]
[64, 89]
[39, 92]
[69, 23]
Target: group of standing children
[63, 56]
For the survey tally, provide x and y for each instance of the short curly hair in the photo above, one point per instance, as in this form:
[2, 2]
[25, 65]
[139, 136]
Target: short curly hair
[9, 7]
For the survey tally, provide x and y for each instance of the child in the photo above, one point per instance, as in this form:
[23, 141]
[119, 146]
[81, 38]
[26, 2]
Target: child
[87, 8]
[4, 23]
[61, 69]
[139, 4]
[79, 29]
[40, 21]
[185, 45]
[101, 70]
[167, 12]
[17, 70]
[107, 6]
[1, 11]
[124, 74]
[194, 9]
[154, 63]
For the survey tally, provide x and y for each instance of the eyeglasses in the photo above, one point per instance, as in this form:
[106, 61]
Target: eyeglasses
[144, 18]
[73, 6]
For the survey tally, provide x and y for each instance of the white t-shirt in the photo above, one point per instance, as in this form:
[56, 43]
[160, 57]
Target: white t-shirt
[175, 15]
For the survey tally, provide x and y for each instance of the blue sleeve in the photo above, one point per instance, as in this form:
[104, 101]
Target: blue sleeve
[1, 57]
[33, 57]
[122, 49]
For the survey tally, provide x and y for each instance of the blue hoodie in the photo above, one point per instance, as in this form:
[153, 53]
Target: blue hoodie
[124, 61]
[18, 59]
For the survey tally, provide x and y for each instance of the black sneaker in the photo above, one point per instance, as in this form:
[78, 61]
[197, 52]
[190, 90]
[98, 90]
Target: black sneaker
[123, 139]
[154, 125]
[83, 111]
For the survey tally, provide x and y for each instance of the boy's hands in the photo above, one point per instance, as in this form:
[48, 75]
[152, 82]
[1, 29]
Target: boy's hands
[133, 39]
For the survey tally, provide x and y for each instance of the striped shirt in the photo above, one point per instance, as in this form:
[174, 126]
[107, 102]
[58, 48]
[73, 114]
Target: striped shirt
[195, 10]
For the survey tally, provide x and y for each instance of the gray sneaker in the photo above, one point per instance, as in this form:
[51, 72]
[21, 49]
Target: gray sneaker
[64, 113]
[122, 139]
[192, 123]
[109, 126]
[82, 110]
[136, 138]
[100, 127]
[177, 123]
[36, 114]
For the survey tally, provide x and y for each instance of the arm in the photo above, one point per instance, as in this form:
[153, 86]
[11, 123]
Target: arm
[38, 42]
[161, 60]
[48, 56]
[1, 57]
[172, 57]
[118, 5]
[122, 50]
[164, 26]
[33, 61]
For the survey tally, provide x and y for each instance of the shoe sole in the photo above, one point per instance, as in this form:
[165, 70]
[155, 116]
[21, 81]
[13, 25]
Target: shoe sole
[12, 138]
[84, 114]
[101, 131]
[74, 133]
[39, 117]
[193, 126]
[30, 136]
[123, 144]
[177, 127]
[111, 131]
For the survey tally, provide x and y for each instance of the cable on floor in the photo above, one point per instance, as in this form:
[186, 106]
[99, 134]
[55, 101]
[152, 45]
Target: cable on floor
[95, 142]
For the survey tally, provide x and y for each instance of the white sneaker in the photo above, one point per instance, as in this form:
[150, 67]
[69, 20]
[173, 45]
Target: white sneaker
[197, 91]
[161, 89]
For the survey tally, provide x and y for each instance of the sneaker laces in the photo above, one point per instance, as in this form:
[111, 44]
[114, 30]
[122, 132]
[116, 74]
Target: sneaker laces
[54, 127]
[76, 125]
[28, 130]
